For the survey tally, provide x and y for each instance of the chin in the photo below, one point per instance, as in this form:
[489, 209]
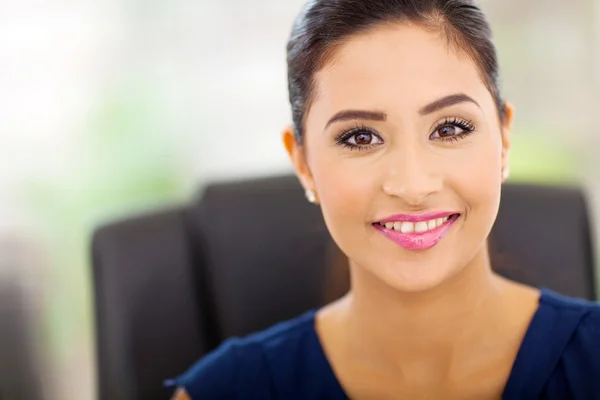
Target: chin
[415, 278]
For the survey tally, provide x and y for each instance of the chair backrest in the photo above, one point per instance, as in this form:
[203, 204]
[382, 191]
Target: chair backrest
[170, 286]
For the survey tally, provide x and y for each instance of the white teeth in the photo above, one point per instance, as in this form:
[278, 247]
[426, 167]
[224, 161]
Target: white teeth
[407, 227]
[420, 227]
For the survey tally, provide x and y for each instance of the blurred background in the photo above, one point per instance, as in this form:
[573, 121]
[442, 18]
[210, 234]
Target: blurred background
[113, 107]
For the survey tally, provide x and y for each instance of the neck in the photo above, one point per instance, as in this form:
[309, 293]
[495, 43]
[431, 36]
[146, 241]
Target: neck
[432, 328]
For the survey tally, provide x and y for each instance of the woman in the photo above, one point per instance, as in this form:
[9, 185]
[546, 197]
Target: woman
[401, 136]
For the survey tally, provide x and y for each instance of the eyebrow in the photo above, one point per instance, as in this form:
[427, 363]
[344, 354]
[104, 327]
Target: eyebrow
[349, 115]
[444, 102]
[447, 101]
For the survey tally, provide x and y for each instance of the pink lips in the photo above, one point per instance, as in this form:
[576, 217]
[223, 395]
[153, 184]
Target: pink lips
[418, 241]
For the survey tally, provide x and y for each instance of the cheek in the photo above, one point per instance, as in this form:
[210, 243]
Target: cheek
[478, 182]
[346, 191]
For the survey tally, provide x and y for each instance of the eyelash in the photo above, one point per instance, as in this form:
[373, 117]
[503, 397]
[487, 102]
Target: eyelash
[346, 134]
[467, 127]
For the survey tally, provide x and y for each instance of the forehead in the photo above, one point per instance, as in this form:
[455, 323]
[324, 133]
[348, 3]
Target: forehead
[398, 64]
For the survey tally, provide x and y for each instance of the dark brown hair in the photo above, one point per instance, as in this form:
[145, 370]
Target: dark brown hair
[323, 25]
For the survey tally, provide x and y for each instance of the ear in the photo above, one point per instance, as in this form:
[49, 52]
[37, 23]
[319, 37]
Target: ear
[297, 154]
[506, 132]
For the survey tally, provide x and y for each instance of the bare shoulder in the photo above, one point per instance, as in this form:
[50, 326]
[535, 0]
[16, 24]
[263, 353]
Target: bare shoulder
[181, 395]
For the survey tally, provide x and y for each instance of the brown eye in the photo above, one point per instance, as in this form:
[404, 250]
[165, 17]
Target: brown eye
[363, 139]
[448, 130]
[452, 129]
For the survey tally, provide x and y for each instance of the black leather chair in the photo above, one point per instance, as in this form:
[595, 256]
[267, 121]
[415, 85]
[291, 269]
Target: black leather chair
[171, 285]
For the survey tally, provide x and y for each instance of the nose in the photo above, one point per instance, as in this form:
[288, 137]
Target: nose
[412, 176]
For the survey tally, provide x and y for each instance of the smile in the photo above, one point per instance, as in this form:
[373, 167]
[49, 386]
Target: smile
[417, 232]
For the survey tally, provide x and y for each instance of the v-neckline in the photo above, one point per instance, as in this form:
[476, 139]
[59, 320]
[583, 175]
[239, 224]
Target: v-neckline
[545, 339]
[324, 364]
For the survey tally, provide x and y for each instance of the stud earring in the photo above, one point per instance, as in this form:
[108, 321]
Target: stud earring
[505, 173]
[310, 196]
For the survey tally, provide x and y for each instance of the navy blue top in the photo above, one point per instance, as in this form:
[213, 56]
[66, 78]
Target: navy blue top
[559, 358]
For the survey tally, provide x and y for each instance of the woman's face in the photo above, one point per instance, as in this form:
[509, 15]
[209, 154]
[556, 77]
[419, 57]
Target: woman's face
[404, 149]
